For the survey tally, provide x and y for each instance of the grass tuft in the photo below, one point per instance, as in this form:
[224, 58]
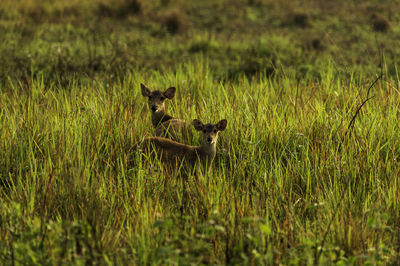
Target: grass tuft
[379, 23]
[175, 21]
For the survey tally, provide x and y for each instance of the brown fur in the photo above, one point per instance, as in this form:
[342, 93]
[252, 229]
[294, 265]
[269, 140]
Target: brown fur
[175, 129]
[175, 154]
[165, 125]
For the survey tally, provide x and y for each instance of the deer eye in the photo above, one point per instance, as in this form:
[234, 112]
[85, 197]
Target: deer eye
[215, 131]
[204, 131]
[150, 97]
[162, 98]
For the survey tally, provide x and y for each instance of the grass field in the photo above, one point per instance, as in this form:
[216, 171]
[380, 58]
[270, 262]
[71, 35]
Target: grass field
[307, 171]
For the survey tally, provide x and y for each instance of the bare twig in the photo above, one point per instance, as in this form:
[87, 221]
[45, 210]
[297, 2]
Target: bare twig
[373, 83]
[353, 119]
[348, 131]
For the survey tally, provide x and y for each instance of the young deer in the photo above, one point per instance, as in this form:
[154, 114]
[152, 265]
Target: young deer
[173, 153]
[165, 125]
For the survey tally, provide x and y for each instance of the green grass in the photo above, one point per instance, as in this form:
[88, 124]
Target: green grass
[294, 181]
[62, 39]
[281, 189]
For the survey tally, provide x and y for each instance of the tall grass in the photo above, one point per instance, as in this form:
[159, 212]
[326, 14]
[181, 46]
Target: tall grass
[278, 181]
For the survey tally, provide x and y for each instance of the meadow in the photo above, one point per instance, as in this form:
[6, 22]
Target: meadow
[307, 170]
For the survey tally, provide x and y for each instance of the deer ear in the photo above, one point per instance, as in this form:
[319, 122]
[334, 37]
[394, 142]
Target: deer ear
[222, 125]
[198, 125]
[170, 92]
[145, 91]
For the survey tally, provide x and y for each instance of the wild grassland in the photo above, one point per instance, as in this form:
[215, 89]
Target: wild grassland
[294, 181]
[280, 192]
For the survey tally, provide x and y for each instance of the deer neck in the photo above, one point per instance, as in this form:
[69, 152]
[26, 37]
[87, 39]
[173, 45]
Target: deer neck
[207, 153]
[159, 118]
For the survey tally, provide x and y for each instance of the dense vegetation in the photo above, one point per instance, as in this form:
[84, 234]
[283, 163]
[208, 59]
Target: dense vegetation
[235, 37]
[307, 171]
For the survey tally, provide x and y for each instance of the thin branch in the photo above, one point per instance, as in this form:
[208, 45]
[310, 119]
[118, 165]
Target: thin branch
[373, 83]
[353, 119]
[350, 126]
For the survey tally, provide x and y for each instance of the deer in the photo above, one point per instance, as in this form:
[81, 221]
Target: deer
[165, 125]
[174, 154]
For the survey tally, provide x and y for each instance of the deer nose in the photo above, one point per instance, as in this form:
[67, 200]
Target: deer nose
[209, 139]
[153, 108]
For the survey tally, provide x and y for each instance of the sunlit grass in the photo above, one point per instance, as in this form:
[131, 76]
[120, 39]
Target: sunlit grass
[278, 181]
[293, 181]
